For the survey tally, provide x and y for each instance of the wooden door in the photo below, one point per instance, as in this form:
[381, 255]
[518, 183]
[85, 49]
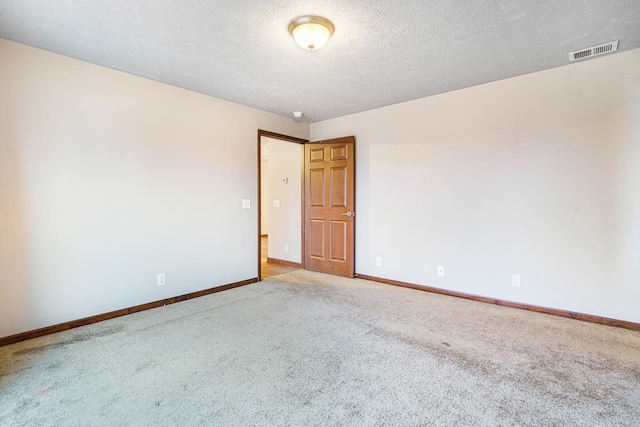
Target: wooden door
[330, 206]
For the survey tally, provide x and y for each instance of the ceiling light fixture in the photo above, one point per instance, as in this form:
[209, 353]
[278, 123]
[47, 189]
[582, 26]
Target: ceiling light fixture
[311, 32]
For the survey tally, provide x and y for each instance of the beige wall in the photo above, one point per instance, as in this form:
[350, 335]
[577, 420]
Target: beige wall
[107, 179]
[284, 221]
[537, 175]
[264, 197]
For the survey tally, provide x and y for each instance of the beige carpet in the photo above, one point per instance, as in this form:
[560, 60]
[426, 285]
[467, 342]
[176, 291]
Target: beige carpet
[310, 349]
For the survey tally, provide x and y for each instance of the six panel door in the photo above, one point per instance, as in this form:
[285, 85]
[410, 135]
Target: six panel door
[330, 206]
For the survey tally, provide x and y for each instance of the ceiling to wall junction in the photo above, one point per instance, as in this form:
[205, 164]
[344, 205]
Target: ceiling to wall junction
[382, 52]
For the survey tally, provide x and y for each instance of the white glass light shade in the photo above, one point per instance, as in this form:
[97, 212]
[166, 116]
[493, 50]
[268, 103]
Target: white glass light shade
[311, 32]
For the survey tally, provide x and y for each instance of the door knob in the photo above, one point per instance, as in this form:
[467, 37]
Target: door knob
[349, 214]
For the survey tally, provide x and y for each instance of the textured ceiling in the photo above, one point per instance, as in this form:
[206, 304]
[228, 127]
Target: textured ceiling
[382, 52]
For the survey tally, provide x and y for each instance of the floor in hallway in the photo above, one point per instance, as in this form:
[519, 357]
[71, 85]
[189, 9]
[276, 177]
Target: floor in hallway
[268, 268]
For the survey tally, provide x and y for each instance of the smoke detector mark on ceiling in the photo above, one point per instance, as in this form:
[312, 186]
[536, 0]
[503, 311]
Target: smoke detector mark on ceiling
[593, 51]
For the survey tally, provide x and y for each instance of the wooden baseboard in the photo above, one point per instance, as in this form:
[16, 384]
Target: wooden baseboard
[553, 311]
[283, 262]
[122, 312]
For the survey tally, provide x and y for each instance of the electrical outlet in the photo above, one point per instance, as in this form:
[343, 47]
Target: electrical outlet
[516, 280]
[246, 203]
[378, 262]
[162, 279]
[276, 203]
[441, 271]
[286, 248]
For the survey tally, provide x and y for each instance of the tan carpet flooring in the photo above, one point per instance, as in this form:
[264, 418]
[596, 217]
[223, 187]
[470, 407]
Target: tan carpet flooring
[310, 349]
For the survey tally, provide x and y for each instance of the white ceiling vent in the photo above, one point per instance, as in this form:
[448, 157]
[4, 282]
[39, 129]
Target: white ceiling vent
[593, 51]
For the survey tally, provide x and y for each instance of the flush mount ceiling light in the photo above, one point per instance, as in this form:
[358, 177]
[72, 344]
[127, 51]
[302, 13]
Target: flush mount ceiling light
[311, 32]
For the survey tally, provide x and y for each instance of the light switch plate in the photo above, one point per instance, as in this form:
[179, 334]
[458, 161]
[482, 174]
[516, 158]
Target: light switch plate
[246, 203]
[441, 271]
[276, 203]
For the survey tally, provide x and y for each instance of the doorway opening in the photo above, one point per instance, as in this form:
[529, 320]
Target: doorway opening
[280, 204]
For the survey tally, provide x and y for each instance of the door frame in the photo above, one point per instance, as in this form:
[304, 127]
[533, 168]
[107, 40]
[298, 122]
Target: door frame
[294, 140]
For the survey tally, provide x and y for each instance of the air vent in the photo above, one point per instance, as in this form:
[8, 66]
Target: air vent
[593, 51]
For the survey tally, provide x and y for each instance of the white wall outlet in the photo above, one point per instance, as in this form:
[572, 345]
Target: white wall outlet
[276, 203]
[285, 180]
[286, 248]
[516, 280]
[246, 203]
[441, 271]
[378, 262]
[162, 279]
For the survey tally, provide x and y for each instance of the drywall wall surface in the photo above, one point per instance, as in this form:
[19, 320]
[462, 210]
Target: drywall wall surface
[107, 179]
[536, 176]
[285, 215]
[626, 196]
[264, 197]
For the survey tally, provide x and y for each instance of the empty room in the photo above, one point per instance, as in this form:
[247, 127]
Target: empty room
[326, 213]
